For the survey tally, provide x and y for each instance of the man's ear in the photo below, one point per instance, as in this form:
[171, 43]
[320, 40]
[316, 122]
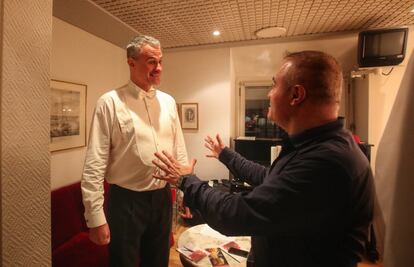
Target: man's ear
[131, 62]
[298, 94]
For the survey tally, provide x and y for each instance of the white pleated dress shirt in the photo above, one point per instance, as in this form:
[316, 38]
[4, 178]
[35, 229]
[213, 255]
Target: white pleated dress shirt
[129, 125]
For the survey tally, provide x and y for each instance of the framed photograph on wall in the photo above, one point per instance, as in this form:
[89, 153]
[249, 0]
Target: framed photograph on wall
[189, 116]
[67, 115]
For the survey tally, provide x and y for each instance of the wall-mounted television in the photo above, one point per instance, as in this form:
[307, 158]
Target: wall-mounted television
[383, 47]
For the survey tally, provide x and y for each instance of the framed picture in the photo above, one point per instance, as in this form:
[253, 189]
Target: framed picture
[189, 116]
[67, 115]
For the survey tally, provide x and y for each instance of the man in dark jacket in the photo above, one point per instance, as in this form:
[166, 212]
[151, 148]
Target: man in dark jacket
[313, 206]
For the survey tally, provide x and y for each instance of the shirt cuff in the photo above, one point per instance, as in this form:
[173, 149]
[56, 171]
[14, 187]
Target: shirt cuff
[95, 220]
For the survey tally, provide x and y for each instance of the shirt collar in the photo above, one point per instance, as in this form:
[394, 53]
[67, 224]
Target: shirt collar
[309, 135]
[138, 92]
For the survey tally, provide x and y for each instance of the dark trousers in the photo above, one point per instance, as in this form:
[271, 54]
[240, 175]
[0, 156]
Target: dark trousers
[140, 225]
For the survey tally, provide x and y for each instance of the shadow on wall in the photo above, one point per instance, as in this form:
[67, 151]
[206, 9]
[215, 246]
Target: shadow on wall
[394, 179]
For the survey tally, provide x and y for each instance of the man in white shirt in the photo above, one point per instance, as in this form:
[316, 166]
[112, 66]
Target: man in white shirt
[129, 125]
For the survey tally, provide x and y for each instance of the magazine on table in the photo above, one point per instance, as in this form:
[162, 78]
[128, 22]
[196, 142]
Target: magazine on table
[235, 251]
[193, 253]
[217, 258]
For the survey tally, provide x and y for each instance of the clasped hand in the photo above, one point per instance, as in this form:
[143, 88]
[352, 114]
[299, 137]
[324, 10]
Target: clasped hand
[173, 169]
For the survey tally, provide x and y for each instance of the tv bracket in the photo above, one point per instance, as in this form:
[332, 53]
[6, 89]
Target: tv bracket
[361, 73]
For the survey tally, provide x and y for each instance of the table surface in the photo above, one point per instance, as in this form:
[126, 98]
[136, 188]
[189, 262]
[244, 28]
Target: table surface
[202, 236]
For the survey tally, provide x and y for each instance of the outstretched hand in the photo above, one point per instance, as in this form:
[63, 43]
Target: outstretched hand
[215, 146]
[171, 167]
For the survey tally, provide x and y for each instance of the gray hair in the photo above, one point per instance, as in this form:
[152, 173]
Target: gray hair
[135, 45]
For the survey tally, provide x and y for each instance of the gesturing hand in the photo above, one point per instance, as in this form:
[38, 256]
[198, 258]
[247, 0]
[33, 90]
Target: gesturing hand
[171, 167]
[215, 146]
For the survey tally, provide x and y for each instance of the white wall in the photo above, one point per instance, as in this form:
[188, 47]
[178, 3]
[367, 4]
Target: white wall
[25, 47]
[262, 61]
[78, 56]
[202, 76]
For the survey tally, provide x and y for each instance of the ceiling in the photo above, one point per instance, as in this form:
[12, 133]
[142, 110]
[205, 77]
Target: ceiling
[186, 23]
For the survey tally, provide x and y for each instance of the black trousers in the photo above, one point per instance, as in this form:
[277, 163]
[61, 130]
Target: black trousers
[140, 225]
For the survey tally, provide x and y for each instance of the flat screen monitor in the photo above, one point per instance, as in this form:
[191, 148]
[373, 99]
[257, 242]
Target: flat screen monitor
[384, 47]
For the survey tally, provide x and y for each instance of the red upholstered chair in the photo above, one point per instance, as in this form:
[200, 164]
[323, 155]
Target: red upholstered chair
[70, 242]
[71, 246]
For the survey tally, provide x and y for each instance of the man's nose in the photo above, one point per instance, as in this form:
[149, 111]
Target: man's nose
[158, 67]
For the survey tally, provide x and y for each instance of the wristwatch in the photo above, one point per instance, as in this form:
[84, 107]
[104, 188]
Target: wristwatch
[181, 181]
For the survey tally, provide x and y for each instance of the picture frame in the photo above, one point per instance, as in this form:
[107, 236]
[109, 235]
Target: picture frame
[189, 116]
[67, 115]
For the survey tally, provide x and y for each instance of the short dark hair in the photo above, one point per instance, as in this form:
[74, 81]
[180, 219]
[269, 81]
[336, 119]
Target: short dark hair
[318, 72]
[135, 45]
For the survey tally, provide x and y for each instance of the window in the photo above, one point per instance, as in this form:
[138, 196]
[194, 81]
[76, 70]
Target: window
[254, 105]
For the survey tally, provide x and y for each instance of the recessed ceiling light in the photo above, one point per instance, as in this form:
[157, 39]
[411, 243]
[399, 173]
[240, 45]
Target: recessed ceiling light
[271, 32]
[216, 33]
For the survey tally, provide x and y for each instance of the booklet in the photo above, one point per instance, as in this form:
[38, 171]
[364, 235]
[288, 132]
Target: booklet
[234, 251]
[217, 258]
[194, 255]
[230, 244]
